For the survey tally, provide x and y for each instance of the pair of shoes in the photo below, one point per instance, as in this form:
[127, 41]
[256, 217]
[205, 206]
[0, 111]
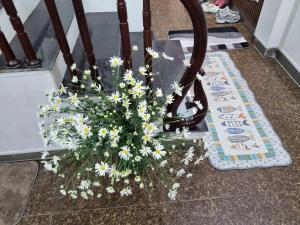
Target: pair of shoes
[202, 1]
[221, 3]
[227, 15]
[209, 7]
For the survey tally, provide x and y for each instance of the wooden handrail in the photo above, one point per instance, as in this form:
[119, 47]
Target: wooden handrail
[11, 60]
[86, 38]
[60, 35]
[124, 30]
[197, 15]
[17, 24]
[147, 36]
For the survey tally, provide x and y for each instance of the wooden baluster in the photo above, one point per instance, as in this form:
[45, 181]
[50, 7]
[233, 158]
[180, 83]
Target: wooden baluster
[147, 36]
[198, 18]
[11, 60]
[86, 38]
[17, 24]
[60, 35]
[125, 38]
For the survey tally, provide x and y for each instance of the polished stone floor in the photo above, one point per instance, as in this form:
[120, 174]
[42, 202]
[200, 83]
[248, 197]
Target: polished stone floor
[256, 196]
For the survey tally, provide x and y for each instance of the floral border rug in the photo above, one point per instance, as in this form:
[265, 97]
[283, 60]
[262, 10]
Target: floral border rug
[240, 136]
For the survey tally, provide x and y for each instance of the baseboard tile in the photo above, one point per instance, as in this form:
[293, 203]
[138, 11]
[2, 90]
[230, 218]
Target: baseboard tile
[280, 58]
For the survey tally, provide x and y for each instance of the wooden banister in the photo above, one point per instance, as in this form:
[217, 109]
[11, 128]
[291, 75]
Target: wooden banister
[60, 35]
[11, 60]
[17, 24]
[125, 37]
[197, 15]
[147, 36]
[85, 37]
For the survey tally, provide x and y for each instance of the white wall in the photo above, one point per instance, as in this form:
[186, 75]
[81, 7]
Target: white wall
[290, 43]
[279, 27]
[134, 10]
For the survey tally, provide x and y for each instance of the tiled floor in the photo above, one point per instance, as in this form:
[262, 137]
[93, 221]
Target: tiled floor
[257, 196]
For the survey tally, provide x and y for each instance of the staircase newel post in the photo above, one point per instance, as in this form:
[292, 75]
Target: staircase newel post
[125, 37]
[18, 26]
[86, 38]
[60, 35]
[11, 60]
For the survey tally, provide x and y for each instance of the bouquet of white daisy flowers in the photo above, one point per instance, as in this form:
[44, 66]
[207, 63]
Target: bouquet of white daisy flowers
[115, 141]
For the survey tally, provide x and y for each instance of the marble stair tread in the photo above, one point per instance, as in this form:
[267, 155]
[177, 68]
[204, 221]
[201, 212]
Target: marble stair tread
[169, 71]
[41, 34]
[105, 36]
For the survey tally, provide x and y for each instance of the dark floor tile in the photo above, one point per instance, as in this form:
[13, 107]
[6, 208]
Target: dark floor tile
[36, 220]
[249, 209]
[146, 214]
[74, 218]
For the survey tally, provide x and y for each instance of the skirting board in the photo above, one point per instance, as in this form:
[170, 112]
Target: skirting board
[280, 58]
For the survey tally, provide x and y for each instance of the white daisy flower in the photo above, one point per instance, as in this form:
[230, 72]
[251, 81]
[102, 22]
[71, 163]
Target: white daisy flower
[128, 75]
[85, 131]
[177, 88]
[74, 99]
[63, 192]
[180, 173]
[90, 192]
[143, 70]
[84, 195]
[122, 85]
[44, 155]
[84, 185]
[126, 191]
[125, 153]
[153, 53]
[158, 153]
[189, 175]
[175, 186]
[199, 105]
[73, 66]
[128, 115]
[163, 163]
[137, 179]
[137, 158]
[103, 132]
[199, 77]
[74, 79]
[135, 48]
[115, 97]
[73, 194]
[169, 99]
[186, 132]
[110, 190]
[101, 169]
[164, 55]
[115, 62]
[158, 93]
[172, 194]
[145, 151]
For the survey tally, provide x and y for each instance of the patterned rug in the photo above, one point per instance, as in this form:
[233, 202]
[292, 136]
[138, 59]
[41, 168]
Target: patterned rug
[219, 38]
[240, 136]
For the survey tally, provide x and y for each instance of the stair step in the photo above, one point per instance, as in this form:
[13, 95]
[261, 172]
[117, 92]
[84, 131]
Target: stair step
[41, 35]
[105, 36]
[169, 71]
